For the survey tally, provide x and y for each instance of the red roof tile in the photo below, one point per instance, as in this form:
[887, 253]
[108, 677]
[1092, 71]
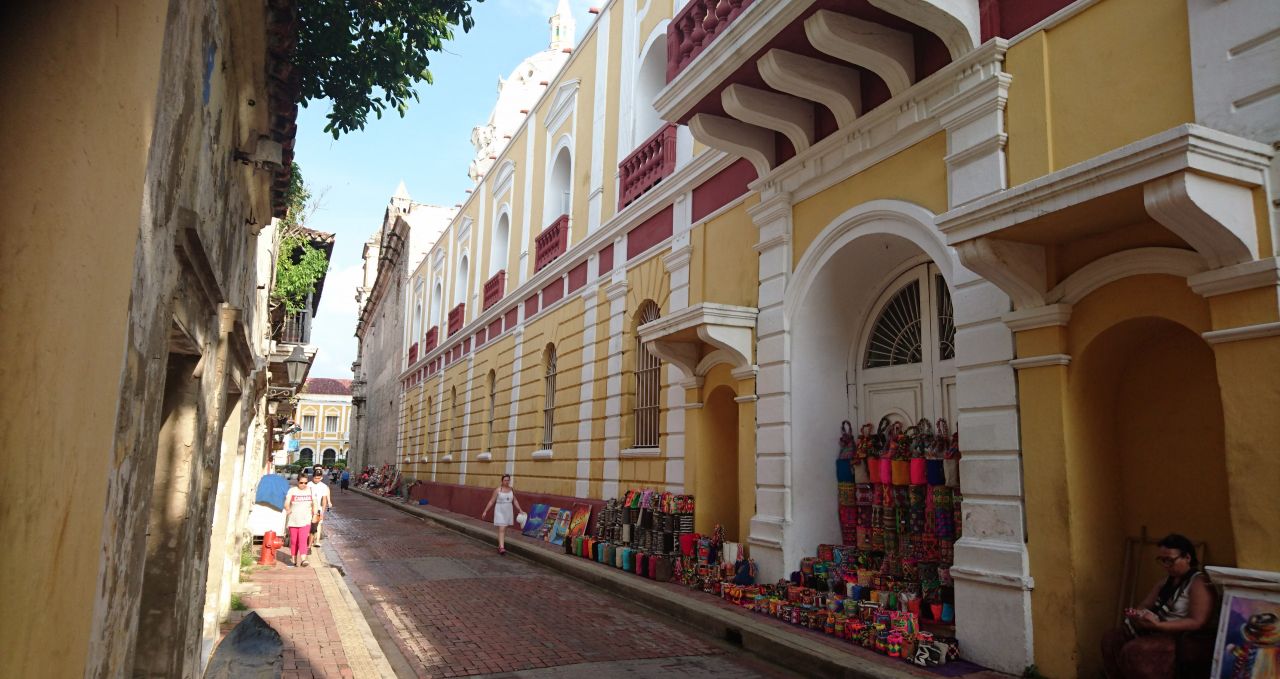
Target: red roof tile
[327, 385]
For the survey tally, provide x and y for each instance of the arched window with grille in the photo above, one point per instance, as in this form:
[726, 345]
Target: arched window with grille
[648, 383]
[549, 406]
[493, 406]
[426, 430]
[456, 421]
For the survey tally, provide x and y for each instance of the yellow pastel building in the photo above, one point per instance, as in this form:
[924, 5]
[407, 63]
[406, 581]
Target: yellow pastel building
[323, 413]
[721, 229]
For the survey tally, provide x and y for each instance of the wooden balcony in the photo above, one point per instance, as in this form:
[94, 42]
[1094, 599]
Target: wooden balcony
[457, 315]
[494, 289]
[647, 165]
[551, 243]
[695, 27]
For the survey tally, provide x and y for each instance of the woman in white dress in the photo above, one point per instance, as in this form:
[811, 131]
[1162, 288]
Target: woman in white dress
[501, 503]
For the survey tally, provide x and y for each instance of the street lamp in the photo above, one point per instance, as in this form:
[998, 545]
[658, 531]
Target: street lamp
[296, 364]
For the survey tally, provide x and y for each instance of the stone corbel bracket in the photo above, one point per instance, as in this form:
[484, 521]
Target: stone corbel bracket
[682, 337]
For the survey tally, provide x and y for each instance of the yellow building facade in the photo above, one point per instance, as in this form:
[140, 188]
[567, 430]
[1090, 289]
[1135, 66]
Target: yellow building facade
[323, 412]
[1063, 208]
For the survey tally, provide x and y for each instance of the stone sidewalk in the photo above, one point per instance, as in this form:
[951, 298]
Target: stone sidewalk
[325, 634]
[455, 608]
[802, 650]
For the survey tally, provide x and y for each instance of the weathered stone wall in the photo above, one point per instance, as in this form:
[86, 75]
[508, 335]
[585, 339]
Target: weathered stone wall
[381, 357]
[131, 268]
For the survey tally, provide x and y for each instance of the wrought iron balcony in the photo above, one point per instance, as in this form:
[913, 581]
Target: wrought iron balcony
[551, 243]
[647, 165]
[296, 329]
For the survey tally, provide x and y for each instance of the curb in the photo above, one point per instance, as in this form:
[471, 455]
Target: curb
[779, 646]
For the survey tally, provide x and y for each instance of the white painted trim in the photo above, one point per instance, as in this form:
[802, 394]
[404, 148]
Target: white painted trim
[504, 178]
[1123, 264]
[486, 456]
[1213, 216]
[888, 53]
[1261, 273]
[956, 22]
[783, 113]
[1248, 332]
[1185, 147]
[544, 454]
[893, 217]
[1040, 361]
[562, 105]
[1053, 20]
[749, 398]
[639, 452]
[1030, 318]
[447, 457]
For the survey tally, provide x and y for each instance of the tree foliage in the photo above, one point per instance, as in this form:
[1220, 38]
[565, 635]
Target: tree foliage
[299, 265]
[349, 48]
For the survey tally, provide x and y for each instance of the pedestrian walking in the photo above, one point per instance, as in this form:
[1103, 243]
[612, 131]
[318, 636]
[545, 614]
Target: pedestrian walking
[323, 503]
[346, 480]
[503, 498]
[299, 510]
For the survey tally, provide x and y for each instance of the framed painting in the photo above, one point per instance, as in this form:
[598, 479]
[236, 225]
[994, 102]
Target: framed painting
[532, 525]
[1248, 643]
[579, 519]
[561, 528]
[548, 523]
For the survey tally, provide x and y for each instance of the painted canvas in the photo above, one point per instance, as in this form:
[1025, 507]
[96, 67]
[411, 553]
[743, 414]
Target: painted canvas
[537, 514]
[561, 527]
[548, 523]
[1248, 635]
[579, 519]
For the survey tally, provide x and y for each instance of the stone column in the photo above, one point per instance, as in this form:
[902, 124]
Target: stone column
[616, 293]
[772, 217]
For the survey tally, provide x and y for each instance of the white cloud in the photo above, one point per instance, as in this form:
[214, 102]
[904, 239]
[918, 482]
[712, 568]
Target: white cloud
[335, 324]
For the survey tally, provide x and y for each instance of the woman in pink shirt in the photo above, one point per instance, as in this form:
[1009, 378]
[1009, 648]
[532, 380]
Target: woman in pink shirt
[300, 511]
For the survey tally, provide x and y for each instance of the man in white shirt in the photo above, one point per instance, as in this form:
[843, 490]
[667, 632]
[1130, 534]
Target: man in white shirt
[323, 502]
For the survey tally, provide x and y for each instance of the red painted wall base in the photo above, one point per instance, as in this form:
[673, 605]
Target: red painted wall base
[470, 500]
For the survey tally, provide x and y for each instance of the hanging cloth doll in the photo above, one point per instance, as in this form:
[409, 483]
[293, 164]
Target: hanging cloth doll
[935, 472]
[921, 443]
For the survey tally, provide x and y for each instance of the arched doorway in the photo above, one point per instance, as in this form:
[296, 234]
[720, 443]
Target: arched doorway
[904, 366]
[1146, 452]
[717, 471]
[330, 456]
[306, 455]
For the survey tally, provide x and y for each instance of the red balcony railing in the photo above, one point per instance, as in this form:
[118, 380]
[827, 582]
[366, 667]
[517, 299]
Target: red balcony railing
[551, 243]
[647, 165]
[494, 289]
[413, 353]
[695, 27]
[432, 340]
[456, 316]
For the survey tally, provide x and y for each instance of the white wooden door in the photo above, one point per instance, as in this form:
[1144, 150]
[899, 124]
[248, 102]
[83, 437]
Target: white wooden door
[905, 366]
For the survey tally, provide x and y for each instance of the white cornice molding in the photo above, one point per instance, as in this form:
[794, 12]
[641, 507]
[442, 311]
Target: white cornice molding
[678, 258]
[615, 289]
[486, 456]
[1037, 317]
[749, 398]
[703, 167]
[729, 329]
[544, 454]
[1040, 361]
[1185, 147]
[1248, 332]
[1247, 276]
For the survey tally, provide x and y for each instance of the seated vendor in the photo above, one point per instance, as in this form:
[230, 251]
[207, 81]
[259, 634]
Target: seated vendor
[1147, 642]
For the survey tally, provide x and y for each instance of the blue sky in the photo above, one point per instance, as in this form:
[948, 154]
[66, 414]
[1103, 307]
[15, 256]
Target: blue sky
[429, 149]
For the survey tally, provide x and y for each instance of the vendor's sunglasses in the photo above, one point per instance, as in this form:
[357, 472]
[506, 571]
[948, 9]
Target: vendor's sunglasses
[1168, 560]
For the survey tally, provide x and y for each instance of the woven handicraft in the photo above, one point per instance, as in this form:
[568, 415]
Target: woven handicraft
[848, 496]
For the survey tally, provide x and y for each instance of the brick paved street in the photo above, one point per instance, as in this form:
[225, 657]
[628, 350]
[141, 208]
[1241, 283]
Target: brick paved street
[454, 607]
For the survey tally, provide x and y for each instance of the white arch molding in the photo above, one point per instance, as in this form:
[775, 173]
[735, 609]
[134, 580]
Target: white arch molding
[550, 191]
[905, 220]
